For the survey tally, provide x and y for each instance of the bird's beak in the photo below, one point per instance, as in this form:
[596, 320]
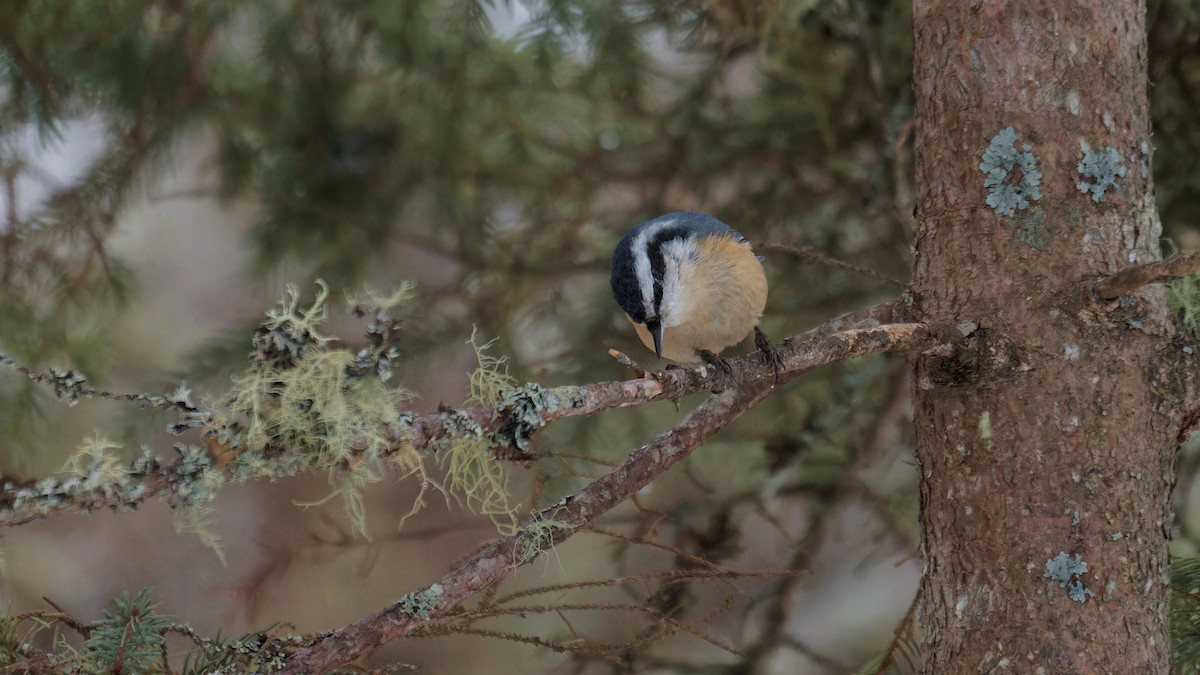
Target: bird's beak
[656, 331]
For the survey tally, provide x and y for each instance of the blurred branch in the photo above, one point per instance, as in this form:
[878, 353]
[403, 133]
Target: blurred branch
[813, 255]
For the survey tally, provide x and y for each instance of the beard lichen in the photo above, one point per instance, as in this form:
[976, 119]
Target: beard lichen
[479, 482]
[307, 406]
[474, 477]
[538, 535]
[97, 468]
[490, 383]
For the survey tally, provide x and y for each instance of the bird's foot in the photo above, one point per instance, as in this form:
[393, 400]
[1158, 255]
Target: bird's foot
[715, 360]
[770, 352]
[720, 363]
[672, 390]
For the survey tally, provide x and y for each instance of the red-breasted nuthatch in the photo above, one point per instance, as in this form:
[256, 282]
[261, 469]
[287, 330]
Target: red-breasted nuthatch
[690, 284]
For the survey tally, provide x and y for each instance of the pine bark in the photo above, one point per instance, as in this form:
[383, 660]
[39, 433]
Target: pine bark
[1054, 430]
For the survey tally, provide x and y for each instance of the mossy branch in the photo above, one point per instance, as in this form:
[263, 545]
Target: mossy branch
[495, 561]
[400, 438]
[307, 406]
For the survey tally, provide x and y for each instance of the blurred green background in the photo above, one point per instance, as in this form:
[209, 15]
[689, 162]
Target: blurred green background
[168, 166]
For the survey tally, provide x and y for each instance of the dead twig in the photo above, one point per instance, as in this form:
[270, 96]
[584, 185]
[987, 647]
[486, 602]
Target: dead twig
[1114, 286]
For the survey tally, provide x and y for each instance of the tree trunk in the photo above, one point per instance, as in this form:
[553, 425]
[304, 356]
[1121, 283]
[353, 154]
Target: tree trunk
[1047, 443]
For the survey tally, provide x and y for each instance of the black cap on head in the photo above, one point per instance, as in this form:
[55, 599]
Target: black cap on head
[624, 279]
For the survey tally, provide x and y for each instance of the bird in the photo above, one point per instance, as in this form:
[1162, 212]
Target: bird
[690, 284]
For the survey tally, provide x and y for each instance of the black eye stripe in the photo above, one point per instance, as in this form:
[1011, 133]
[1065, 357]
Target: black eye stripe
[658, 263]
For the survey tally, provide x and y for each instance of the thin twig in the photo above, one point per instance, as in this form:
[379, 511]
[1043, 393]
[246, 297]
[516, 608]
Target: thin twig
[667, 577]
[70, 386]
[812, 254]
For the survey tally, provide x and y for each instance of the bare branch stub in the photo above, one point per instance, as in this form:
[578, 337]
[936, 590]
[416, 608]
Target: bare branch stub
[1176, 267]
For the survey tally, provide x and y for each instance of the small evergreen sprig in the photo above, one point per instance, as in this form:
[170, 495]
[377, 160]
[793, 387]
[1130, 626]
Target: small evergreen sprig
[132, 639]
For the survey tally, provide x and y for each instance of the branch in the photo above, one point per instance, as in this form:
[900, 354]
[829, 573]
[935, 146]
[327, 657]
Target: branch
[1176, 267]
[71, 386]
[673, 383]
[558, 522]
[506, 428]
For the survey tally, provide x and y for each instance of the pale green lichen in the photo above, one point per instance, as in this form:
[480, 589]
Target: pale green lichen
[1100, 169]
[479, 482]
[327, 419]
[525, 410]
[1011, 176]
[191, 501]
[318, 406]
[985, 429]
[538, 536]
[98, 475]
[474, 476]
[1066, 570]
[489, 383]
[198, 520]
[306, 405]
[421, 604]
[98, 469]
[1183, 298]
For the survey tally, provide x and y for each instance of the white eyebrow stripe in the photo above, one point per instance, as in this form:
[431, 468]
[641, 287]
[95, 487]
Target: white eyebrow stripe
[641, 262]
[676, 253]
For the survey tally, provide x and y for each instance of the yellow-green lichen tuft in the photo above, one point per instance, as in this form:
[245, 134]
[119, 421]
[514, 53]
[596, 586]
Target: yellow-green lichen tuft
[1183, 297]
[95, 465]
[305, 406]
[382, 303]
[538, 536]
[197, 520]
[474, 477]
[303, 321]
[490, 383]
[479, 482]
[316, 405]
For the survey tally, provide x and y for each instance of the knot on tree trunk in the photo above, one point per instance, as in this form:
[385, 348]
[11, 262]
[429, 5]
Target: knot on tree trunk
[982, 359]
